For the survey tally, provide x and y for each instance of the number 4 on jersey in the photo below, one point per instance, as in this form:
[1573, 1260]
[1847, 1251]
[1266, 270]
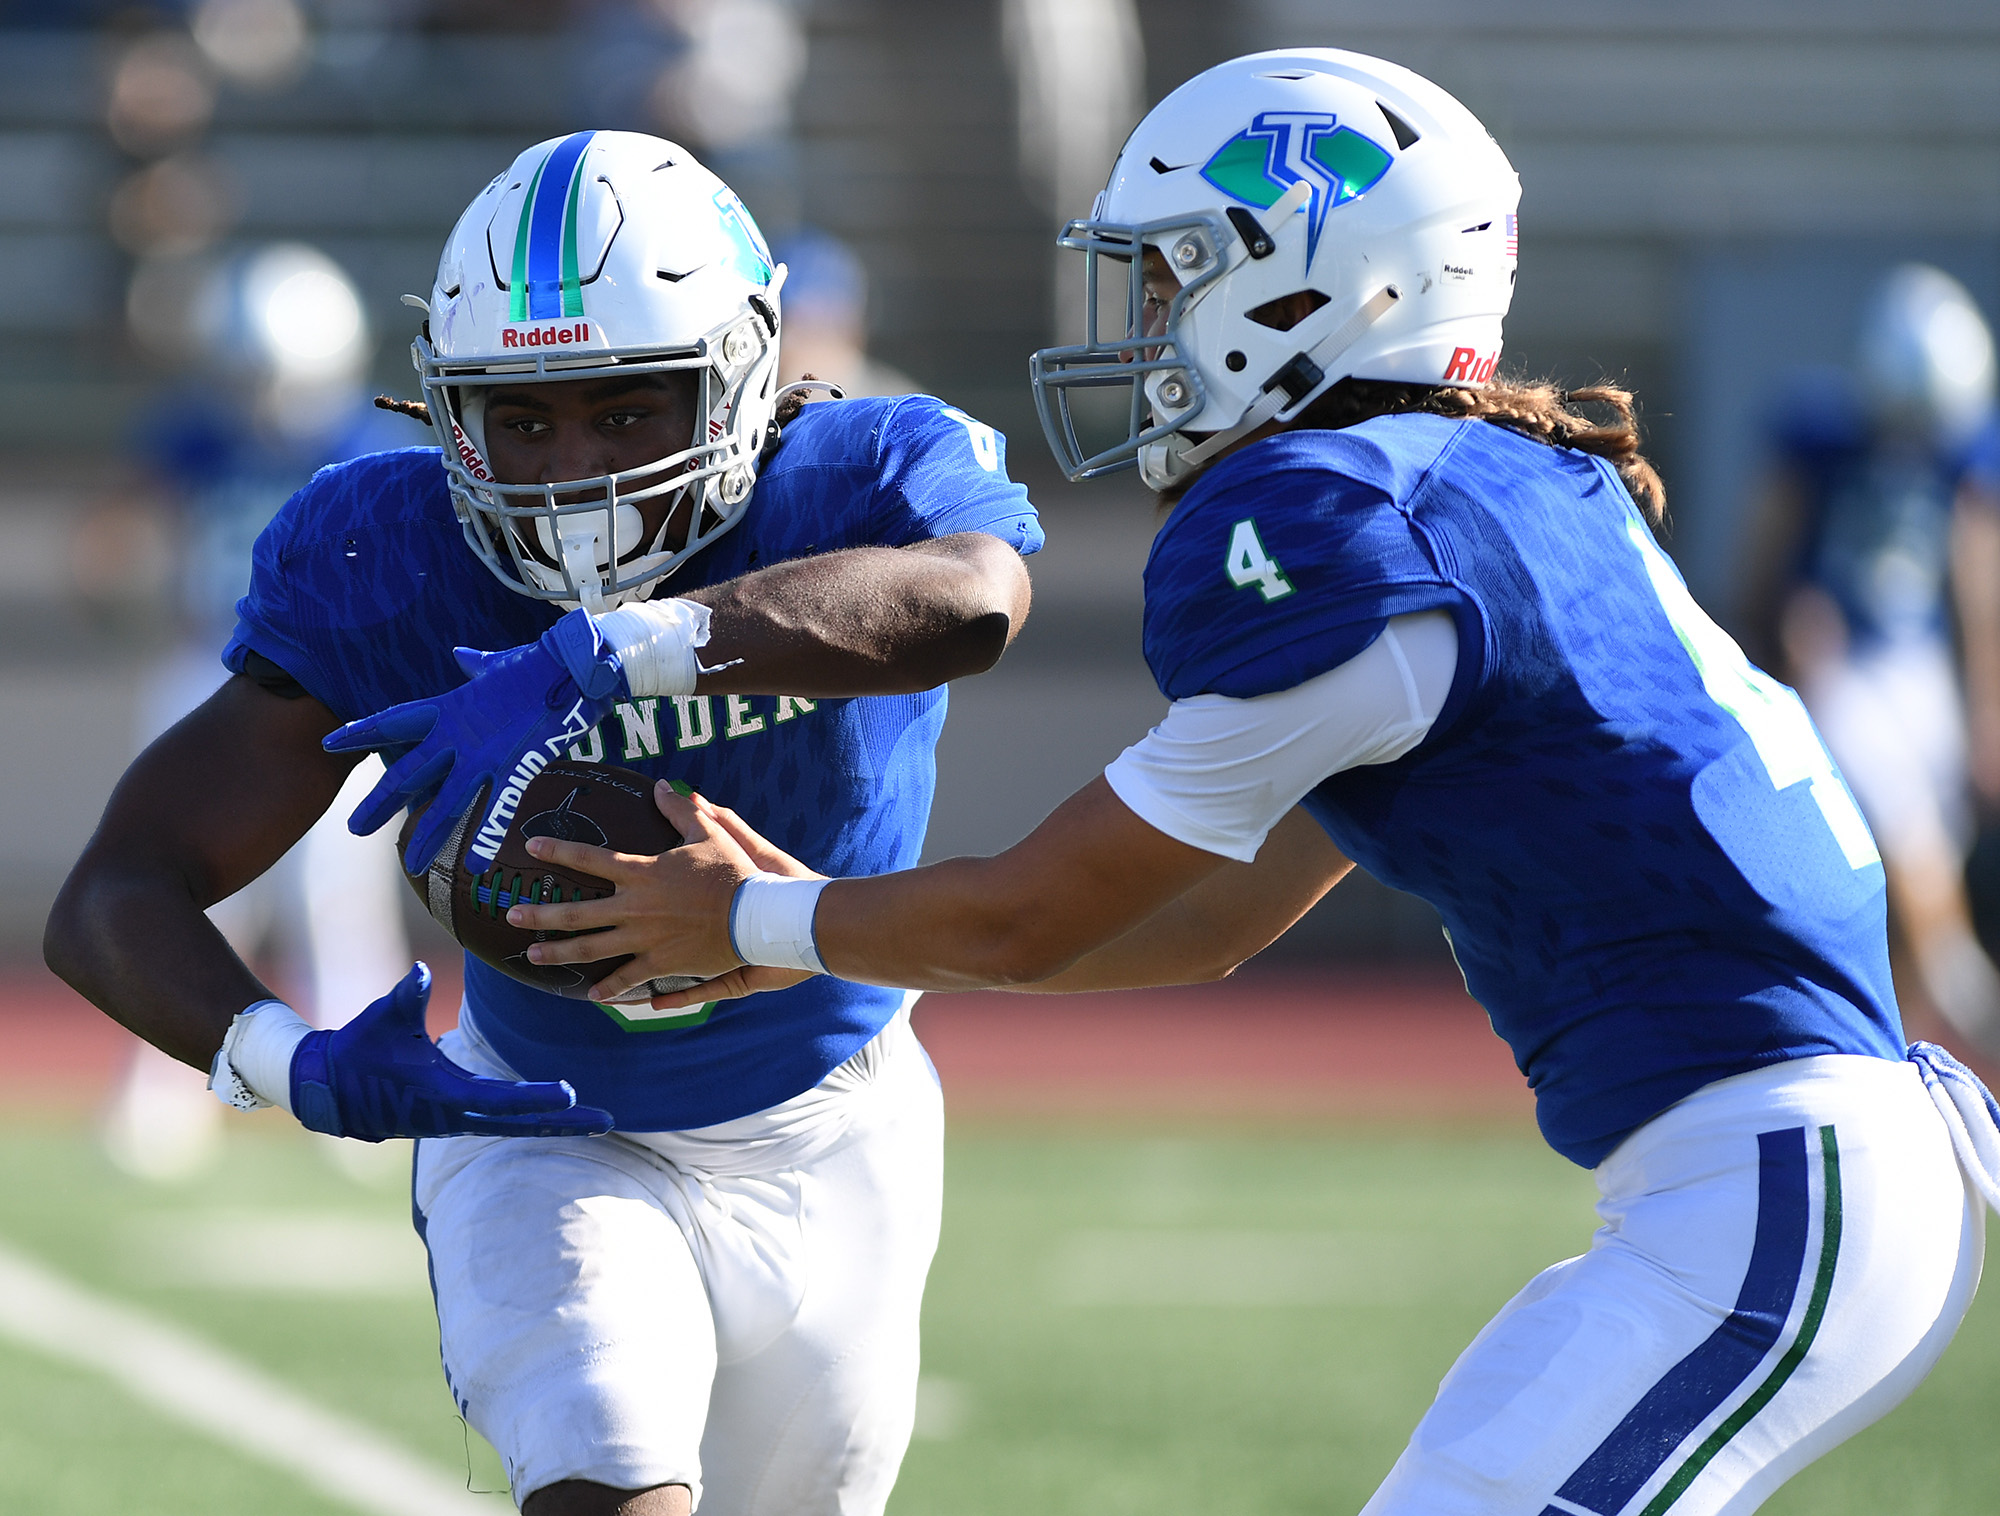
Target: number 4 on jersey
[1247, 563]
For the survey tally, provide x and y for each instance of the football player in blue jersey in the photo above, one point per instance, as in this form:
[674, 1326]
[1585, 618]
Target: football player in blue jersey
[1413, 615]
[1867, 552]
[722, 1295]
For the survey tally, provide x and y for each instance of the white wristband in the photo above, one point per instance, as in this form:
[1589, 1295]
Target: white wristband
[771, 921]
[253, 1067]
[656, 641]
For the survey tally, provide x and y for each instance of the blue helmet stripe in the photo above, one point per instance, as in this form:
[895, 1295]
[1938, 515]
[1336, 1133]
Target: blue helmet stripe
[545, 226]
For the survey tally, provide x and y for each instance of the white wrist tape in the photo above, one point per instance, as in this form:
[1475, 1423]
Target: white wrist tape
[656, 642]
[253, 1067]
[771, 921]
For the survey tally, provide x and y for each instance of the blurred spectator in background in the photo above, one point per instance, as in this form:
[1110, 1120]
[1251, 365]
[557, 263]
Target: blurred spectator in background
[280, 350]
[826, 318]
[1865, 547]
[1976, 541]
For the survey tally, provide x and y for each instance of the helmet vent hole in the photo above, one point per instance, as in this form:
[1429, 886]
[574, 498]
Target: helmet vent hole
[1234, 361]
[452, 293]
[1294, 75]
[1406, 134]
[1164, 168]
[1287, 311]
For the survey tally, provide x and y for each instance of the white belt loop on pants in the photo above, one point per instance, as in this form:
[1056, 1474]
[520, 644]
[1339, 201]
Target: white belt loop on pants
[1970, 1115]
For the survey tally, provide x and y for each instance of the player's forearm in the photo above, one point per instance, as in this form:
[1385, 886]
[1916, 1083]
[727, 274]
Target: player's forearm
[1776, 524]
[1975, 583]
[955, 925]
[206, 809]
[1083, 879]
[135, 944]
[1207, 933]
[1156, 953]
[865, 621]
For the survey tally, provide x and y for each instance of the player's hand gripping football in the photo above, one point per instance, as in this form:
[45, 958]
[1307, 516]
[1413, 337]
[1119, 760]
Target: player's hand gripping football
[671, 912]
[381, 1076]
[539, 698]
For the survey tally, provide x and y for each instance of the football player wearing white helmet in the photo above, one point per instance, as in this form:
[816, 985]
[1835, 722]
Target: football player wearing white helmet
[1865, 554]
[676, 1256]
[1413, 615]
[1262, 299]
[680, 287]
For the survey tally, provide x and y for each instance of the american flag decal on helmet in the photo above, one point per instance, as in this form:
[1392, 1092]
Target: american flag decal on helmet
[1513, 235]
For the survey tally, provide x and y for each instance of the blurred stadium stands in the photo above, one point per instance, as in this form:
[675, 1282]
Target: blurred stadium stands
[1709, 187]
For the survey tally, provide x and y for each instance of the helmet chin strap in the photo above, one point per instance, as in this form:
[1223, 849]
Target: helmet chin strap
[1298, 380]
[1262, 409]
[1286, 205]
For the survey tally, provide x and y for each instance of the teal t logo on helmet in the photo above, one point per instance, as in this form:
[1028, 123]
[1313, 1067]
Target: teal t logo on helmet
[747, 253]
[1279, 148]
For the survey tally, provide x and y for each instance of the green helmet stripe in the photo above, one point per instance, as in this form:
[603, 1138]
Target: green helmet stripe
[517, 286]
[572, 282]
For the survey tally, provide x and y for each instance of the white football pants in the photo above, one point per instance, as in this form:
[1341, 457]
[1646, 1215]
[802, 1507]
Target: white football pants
[1783, 1258]
[733, 1309]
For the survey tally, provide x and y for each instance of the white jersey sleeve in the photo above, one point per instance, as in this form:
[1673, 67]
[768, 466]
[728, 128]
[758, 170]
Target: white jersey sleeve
[1219, 773]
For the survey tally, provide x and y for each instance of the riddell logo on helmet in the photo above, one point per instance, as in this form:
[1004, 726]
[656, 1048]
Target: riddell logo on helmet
[1467, 364]
[545, 336]
[468, 454]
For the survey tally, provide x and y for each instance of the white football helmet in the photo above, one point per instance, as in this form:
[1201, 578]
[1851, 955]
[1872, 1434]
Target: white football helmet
[1926, 356]
[595, 255]
[284, 324]
[1303, 170]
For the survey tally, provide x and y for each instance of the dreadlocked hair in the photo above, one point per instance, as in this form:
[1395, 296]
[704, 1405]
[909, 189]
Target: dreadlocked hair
[416, 410]
[1535, 408]
[790, 405]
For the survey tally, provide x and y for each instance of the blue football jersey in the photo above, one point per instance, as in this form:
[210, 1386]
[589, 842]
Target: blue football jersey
[1875, 528]
[363, 584]
[1982, 458]
[1651, 873]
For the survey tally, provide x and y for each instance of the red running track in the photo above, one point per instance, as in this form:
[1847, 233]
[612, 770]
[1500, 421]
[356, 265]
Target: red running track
[1287, 1048]
[1284, 1047]
[1292, 1047]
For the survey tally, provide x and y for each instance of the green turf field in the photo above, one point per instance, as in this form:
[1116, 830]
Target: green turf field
[1116, 1323]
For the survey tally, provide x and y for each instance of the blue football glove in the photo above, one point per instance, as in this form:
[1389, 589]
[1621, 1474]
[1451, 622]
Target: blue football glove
[382, 1076]
[539, 697]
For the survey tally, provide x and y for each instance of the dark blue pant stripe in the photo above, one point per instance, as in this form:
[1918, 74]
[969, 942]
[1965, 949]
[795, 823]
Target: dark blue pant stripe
[1691, 1391]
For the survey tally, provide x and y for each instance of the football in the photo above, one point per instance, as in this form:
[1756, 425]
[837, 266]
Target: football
[484, 867]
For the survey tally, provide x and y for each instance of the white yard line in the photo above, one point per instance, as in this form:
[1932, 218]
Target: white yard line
[237, 1405]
